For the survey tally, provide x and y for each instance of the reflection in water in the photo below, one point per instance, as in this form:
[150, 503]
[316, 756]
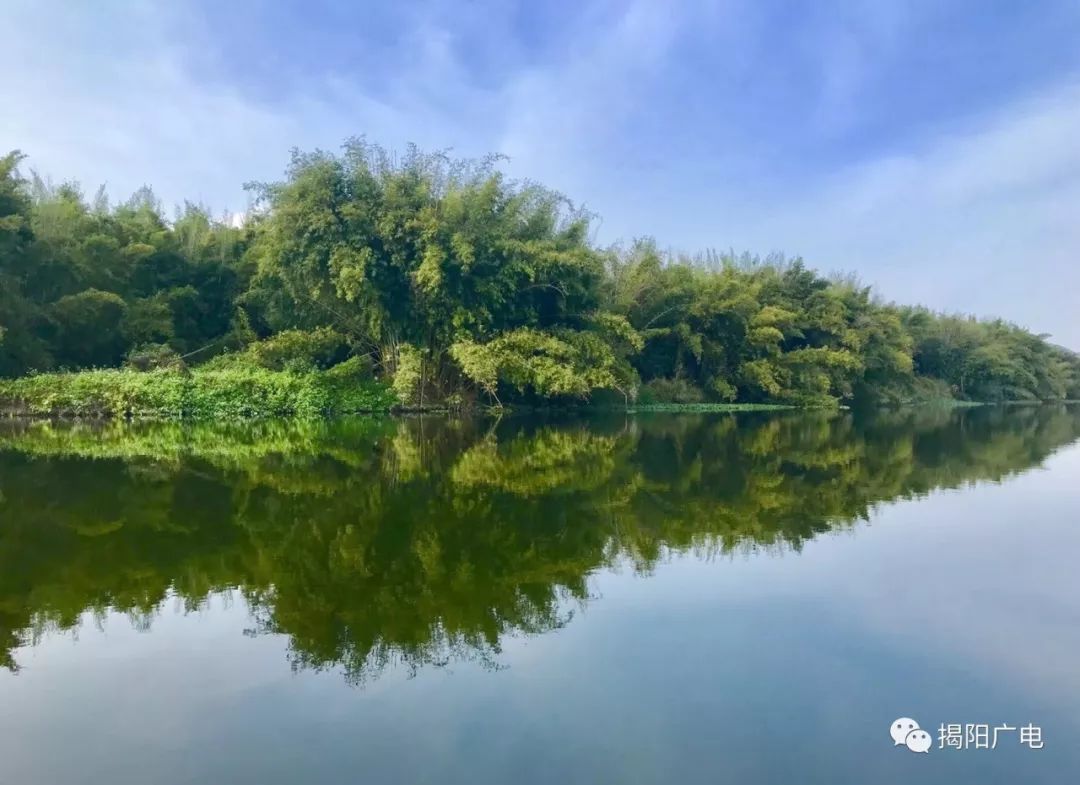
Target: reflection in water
[369, 542]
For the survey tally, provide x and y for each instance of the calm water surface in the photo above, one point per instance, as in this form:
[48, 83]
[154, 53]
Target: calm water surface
[655, 599]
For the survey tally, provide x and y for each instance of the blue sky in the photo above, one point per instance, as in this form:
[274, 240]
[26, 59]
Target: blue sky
[933, 148]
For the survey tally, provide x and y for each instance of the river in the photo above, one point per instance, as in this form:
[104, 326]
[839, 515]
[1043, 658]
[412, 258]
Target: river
[743, 598]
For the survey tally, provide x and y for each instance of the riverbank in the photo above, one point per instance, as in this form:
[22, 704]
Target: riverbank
[243, 393]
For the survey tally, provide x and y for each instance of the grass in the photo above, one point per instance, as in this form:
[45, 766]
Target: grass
[233, 393]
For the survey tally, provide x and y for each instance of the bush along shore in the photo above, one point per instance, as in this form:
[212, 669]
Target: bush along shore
[368, 281]
[198, 394]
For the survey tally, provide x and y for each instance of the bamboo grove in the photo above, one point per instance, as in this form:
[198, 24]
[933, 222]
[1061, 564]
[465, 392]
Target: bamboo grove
[453, 284]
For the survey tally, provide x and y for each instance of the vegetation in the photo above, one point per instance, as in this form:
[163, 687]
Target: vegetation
[452, 284]
[370, 541]
[238, 392]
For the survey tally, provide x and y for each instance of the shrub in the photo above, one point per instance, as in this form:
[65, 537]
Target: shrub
[358, 368]
[233, 393]
[90, 325]
[300, 350]
[408, 374]
[154, 357]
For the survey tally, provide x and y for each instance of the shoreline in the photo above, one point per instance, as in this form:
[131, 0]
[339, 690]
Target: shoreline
[23, 413]
[241, 393]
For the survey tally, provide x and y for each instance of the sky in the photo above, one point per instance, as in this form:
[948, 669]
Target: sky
[930, 147]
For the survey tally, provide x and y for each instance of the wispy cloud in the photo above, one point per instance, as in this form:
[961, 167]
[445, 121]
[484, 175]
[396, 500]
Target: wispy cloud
[559, 118]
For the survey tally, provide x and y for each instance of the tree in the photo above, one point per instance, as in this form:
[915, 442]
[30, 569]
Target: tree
[453, 281]
[90, 329]
[23, 325]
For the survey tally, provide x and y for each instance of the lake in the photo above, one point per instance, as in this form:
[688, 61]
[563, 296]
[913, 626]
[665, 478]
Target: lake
[728, 598]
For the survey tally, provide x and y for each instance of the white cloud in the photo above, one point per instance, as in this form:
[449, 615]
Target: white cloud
[558, 120]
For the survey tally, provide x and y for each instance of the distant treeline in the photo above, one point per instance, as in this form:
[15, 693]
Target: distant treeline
[455, 284]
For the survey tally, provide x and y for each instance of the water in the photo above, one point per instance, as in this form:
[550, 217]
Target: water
[697, 599]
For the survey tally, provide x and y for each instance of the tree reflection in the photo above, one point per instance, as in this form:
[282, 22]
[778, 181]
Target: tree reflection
[422, 542]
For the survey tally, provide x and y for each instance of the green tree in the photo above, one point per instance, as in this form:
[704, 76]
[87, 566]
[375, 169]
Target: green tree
[90, 329]
[23, 326]
[458, 284]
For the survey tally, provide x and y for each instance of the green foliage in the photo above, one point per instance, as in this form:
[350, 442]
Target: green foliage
[299, 350]
[670, 391]
[991, 361]
[89, 326]
[23, 323]
[561, 363]
[82, 285]
[357, 368]
[408, 375]
[154, 357]
[240, 391]
[457, 284]
[148, 320]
